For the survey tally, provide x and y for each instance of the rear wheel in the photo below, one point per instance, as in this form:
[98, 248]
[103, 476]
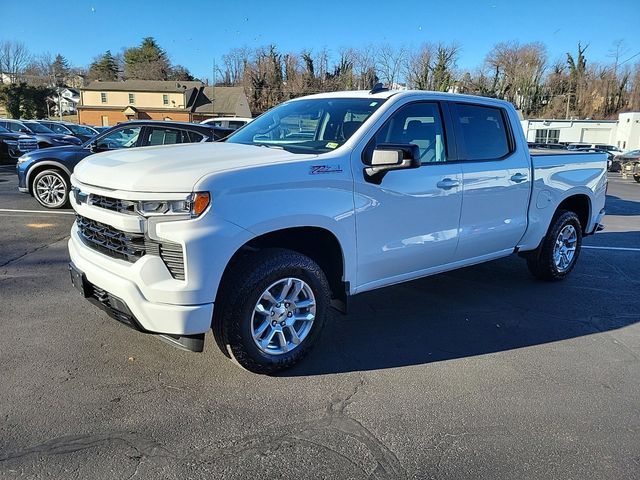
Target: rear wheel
[556, 257]
[271, 309]
[51, 188]
[636, 178]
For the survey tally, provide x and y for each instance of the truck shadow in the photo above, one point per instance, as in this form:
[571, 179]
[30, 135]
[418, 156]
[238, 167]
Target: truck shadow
[479, 310]
[617, 206]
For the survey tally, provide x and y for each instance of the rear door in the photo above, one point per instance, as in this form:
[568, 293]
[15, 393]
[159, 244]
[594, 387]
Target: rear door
[496, 181]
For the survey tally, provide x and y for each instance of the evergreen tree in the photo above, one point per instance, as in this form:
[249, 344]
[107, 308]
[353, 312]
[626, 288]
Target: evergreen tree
[146, 62]
[104, 68]
[60, 70]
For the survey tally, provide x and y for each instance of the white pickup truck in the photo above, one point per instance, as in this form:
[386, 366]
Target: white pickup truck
[321, 198]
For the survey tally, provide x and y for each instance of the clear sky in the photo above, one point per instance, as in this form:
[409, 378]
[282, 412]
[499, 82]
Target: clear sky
[195, 32]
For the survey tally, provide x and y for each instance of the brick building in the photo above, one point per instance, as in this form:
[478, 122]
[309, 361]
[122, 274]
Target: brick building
[108, 103]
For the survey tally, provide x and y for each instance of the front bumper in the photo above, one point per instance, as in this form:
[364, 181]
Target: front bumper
[149, 316]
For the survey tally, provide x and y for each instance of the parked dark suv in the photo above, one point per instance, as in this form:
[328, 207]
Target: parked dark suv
[14, 145]
[82, 132]
[45, 173]
[44, 136]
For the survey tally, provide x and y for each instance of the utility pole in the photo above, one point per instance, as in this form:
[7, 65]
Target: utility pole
[213, 89]
[60, 103]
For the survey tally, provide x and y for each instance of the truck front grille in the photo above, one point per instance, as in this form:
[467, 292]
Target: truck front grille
[27, 145]
[113, 204]
[111, 241]
[129, 246]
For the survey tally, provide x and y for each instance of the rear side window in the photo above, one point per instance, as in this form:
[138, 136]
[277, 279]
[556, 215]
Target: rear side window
[482, 131]
[194, 137]
[164, 136]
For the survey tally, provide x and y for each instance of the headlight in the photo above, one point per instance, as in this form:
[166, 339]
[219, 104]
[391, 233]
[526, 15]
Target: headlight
[23, 158]
[194, 205]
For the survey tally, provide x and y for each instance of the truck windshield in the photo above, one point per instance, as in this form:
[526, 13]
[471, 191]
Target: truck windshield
[308, 126]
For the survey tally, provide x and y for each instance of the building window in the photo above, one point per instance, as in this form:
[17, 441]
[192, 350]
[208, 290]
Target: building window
[165, 99]
[546, 135]
[132, 98]
[103, 97]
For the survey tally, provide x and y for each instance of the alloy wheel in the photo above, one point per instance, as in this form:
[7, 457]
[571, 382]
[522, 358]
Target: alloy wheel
[565, 248]
[283, 316]
[51, 190]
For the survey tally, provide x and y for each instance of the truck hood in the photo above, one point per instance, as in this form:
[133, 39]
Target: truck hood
[173, 168]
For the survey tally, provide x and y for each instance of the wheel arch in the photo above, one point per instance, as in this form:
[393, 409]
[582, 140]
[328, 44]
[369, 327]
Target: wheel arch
[580, 204]
[45, 165]
[318, 243]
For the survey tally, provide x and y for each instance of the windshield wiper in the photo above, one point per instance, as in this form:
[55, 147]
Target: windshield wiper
[268, 145]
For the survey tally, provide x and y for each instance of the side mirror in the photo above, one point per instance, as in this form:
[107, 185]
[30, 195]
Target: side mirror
[387, 157]
[97, 147]
[24, 130]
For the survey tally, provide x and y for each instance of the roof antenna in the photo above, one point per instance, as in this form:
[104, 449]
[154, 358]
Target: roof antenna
[377, 88]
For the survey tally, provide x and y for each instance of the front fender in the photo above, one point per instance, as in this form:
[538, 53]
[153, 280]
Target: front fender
[276, 197]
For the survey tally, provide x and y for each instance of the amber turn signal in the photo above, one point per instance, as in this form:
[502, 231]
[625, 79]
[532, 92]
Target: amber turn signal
[200, 203]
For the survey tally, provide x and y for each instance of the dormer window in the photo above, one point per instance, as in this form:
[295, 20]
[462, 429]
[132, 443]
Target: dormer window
[103, 97]
[132, 98]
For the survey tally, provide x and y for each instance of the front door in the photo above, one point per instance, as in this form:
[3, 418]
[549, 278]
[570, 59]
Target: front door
[408, 224]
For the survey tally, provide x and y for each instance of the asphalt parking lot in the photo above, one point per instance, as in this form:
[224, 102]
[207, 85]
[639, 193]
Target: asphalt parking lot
[478, 373]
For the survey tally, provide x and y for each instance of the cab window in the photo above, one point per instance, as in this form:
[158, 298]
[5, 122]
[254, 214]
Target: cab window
[482, 132]
[164, 136]
[419, 124]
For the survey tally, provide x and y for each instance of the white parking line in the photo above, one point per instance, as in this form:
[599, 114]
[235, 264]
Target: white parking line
[46, 212]
[622, 249]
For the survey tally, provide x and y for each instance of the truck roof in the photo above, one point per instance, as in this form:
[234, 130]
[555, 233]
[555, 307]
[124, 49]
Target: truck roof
[404, 93]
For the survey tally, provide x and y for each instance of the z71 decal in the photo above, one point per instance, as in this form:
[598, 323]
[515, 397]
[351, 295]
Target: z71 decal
[316, 169]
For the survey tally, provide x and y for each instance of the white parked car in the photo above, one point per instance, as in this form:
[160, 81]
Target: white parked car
[319, 199]
[228, 122]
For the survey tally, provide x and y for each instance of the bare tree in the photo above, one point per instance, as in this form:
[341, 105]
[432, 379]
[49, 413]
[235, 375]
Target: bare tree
[390, 63]
[419, 68]
[364, 64]
[14, 58]
[518, 72]
[234, 64]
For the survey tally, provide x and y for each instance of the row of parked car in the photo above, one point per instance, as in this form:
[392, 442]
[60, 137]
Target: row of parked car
[618, 160]
[46, 152]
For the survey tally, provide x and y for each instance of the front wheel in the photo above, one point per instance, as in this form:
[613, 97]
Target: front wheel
[271, 309]
[51, 189]
[636, 178]
[557, 255]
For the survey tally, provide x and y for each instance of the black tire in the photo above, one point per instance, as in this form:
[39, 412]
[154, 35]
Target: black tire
[636, 178]
[239, 293]
[541, 262]
[59, 179]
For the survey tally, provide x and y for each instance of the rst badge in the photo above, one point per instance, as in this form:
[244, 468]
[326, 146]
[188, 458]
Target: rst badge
[316, 169]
